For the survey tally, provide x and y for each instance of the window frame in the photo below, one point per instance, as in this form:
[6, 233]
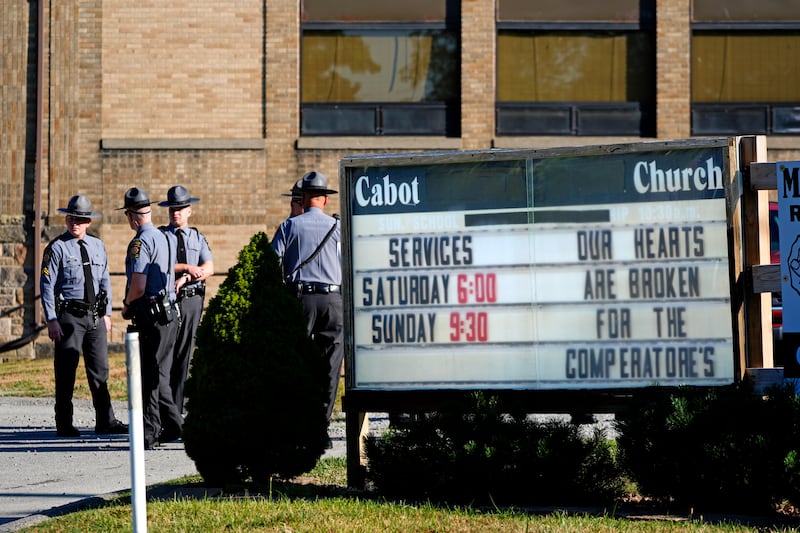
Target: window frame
[573, 118]
[724, 118]
[384, 118]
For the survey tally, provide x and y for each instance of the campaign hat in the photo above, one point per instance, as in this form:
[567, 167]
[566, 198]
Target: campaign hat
[178, 196]
[135, 198]
[297, 189]
[316, 184]
[79, 206]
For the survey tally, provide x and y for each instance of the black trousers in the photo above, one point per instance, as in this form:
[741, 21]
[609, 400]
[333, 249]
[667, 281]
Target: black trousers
[191, 309]
[325, 320]
[87, 336]
[156, 342]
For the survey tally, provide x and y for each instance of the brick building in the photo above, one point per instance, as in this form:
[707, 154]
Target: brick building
[236, 100]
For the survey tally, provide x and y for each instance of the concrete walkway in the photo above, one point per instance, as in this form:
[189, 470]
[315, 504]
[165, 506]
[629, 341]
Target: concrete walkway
[42, 476]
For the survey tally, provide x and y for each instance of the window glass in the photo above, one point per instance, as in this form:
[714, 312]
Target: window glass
[573, 10]
[575, 66]
[379, 66]
[745, 10]
[372, 10]
[745, 67]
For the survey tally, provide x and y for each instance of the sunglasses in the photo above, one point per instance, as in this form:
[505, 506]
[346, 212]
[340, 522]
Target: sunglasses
[71, 219]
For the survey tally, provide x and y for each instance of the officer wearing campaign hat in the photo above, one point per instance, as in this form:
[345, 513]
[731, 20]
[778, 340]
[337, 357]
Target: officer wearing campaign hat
[309, 248]
[150, 302]
[194, 264]
[79, 206]
[76, 298]
[178, 196]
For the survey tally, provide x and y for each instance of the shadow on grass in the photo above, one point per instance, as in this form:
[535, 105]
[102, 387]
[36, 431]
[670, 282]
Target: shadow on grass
[634, 509]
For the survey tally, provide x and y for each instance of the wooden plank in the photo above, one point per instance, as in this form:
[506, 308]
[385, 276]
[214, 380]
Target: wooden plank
[762, 176]
[766, 278]
[755, 228]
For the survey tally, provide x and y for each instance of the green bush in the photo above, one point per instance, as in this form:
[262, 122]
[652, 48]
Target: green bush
[257, 386]
[723, 448]
[484, 454]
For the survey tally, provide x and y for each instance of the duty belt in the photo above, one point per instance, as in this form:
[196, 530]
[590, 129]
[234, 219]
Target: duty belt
[78, 308]
[312, 287]
[188, 292]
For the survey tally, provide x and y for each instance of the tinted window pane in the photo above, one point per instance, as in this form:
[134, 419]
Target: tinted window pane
[379, 66]
[745, 67]
[609, 121]
[786, 120]
[723, 120]
[527, 121]
[371, 10]
[572, 10]
[335, 120]
[745, 10]
[406, 120]
[575, 66]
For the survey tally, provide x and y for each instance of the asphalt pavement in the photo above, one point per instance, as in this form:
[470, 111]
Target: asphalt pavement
[43, 476]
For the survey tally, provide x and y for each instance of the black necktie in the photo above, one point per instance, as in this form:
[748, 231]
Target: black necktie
[181, 247]
[88, 280]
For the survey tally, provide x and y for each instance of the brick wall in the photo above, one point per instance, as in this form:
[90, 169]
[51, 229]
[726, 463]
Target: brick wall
[673, 72]
[478, 38]
[18, 57]
[184, 68]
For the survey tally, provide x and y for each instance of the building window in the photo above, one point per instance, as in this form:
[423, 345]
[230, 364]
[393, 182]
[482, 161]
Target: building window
[575, 68]
[745, 71]
[376, 69]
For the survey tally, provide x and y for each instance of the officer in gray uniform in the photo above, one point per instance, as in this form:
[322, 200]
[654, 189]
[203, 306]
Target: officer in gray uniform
[76, 298]
[150, 302]
[309, 246]
[194, 265]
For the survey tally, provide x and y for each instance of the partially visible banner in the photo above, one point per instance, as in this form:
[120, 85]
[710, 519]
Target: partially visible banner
[788, 176]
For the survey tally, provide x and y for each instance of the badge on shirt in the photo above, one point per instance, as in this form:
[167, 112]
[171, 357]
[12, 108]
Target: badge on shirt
[135, 249]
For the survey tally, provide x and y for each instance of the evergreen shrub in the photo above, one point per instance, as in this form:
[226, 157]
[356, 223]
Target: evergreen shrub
[257, 385]
[722, 448]
[485, 454]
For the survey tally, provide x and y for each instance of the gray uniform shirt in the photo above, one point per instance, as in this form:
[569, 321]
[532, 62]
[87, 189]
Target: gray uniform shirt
[197, 249]
[151, 253]
[62, 271]
[298, 237]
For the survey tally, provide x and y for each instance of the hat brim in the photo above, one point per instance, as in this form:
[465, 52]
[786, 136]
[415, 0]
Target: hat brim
[319, 192]
[187, 203]
[133, 207]
[93, 214]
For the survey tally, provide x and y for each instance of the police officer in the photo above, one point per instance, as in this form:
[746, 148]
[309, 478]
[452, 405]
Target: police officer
[310, 251]
[150, 302]
[76, 297]
[194, 264]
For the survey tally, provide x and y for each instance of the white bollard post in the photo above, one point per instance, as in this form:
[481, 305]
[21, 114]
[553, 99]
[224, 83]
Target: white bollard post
[136, 433]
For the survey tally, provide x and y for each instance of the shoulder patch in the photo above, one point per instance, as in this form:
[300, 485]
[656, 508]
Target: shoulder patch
[47, 255]
[135, 249]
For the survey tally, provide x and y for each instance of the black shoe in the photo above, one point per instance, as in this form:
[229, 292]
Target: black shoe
[329, 445]
[68, 431]
[169, 436]
[114, 428]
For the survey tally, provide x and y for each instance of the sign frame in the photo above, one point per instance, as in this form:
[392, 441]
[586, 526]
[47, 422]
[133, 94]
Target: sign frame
[353, 165]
